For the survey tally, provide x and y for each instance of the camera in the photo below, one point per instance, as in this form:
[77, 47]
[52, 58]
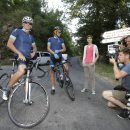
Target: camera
[127, 96]
[123, 42]
[112, 51]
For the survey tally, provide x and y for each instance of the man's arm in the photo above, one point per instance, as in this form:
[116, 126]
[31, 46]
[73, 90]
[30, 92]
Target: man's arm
[10, 44]
[49, 49]
[34, 50]
[54, 53]
[63, 49]
[97, 56]
[117, 72]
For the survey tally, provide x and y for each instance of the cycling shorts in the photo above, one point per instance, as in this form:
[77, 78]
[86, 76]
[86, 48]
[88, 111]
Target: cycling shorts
[21, 62]
[53, 61]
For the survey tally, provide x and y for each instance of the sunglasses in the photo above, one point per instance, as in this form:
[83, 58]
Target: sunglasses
[59, 32]
[27, 23]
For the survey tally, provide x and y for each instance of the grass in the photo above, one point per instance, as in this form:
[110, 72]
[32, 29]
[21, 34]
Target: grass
[6, 62]
[106, 71]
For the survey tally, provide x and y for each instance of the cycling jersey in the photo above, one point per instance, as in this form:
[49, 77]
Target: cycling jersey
[23, 42]
[56, 44]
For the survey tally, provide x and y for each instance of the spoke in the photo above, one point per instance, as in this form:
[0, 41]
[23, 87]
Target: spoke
[37, 96]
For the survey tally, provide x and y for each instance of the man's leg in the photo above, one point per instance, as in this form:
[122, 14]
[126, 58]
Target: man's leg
[92, 75]
[112, 101]
[52, 81]
[66, 68]
[86, 71]
[17, 75]
[13, 80]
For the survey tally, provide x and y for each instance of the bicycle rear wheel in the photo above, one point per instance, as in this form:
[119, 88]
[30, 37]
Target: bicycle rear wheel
[4, 81]
[68, 85]
[23, 114]
[58, 78]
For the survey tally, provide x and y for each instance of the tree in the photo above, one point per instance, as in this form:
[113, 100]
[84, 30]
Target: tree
[97, 16]
[12, 12]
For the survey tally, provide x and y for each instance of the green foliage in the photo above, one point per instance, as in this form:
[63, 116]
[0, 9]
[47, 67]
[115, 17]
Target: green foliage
[96, 17]
[12, 12]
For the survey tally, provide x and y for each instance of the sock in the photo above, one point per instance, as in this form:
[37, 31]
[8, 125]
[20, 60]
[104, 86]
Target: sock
[53, 88]
[8, 88]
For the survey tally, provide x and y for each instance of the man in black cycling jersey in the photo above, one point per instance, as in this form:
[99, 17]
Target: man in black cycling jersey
[20, 42]
[56, 46]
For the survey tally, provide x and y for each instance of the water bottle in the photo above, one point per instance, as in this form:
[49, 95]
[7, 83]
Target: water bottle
[61, 76]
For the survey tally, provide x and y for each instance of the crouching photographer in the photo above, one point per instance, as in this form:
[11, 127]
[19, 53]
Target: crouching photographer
[117, 97]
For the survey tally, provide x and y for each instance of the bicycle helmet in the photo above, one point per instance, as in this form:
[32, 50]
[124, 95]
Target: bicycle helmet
[27, 18]
[57, 28]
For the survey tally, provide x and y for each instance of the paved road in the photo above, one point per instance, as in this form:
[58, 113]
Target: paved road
[87, 112]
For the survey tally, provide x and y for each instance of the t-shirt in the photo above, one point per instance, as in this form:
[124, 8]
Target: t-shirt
[56, 44]
[23, 42]
[126, 79]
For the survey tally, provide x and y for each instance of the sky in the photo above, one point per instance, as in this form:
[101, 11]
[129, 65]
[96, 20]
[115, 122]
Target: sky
[58, 4]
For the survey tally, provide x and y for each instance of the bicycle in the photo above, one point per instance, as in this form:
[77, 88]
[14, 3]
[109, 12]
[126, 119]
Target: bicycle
[27, 108]
[43, 71]
[64, 82]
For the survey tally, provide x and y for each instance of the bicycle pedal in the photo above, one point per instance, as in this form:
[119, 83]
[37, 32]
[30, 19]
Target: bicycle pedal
[30, 102]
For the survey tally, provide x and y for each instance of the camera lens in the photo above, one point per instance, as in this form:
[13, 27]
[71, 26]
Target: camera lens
[119, 42]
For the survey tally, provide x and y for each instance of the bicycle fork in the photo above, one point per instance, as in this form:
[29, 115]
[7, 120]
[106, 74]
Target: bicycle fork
[28, 91]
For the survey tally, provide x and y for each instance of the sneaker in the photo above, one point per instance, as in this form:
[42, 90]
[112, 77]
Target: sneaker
[67, 79]
[52, 91]
[6, 95]
[125, 114]
[84, 90]
[93, 92]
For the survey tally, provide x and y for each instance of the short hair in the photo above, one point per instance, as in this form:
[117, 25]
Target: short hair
[128, 36]
[90, 36]
[126, 51]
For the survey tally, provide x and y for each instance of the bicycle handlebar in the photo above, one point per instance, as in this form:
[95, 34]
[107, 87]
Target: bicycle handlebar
[69, 62]
[32, 62]
[60, 64]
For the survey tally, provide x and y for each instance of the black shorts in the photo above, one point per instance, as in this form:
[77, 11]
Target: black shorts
[21, 62]
[54, 60]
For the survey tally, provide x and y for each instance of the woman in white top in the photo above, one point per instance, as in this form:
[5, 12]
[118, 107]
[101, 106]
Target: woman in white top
[90, 56]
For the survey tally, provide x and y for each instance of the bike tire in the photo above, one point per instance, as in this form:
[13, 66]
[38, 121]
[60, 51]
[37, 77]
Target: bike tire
[28, 115]
[4, 81]
[68, 85]
[58, 79]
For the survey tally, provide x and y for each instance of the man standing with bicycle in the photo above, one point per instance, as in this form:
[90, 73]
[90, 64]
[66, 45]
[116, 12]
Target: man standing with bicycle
[20, 42]
[56, 47]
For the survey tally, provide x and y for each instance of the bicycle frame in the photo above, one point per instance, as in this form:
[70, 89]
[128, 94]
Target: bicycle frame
[25, 82]
[28, 89]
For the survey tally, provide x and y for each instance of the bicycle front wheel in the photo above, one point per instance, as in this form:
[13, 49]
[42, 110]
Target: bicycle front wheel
[27, 115]
[4, 81]
[68, 85]
[58, 78]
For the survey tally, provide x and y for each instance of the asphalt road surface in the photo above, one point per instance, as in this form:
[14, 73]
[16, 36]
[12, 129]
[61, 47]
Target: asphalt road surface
[87, 112]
